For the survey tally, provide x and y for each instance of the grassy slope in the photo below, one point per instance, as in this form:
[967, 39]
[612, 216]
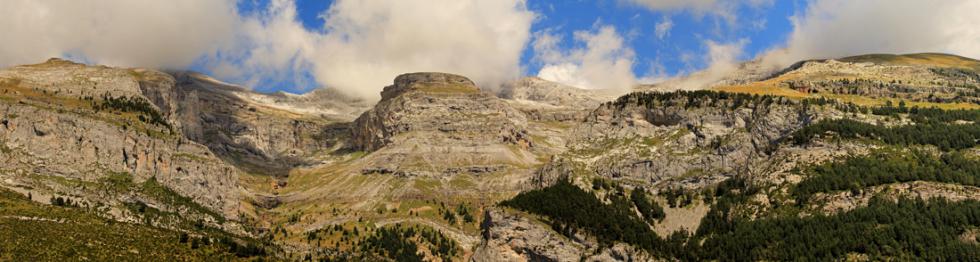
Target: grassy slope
[35, 232]
[774, 85]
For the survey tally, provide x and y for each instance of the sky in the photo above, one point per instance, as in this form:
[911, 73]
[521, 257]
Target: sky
[359, 46]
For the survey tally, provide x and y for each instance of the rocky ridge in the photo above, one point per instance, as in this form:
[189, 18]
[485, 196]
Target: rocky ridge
[57, 127]
[436, 145]
[511, 237]
[267, 134]
[434, 123]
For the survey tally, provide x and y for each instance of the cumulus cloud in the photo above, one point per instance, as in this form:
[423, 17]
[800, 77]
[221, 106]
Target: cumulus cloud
[722, 59]
[166, 34]
[362, 46]
[271, 46]
[837, 28]
[601, 62]
[368, 42]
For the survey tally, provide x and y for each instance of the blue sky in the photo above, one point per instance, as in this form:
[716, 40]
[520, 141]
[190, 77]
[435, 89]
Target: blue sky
[687, 35]
[680, 51]
[290, 45]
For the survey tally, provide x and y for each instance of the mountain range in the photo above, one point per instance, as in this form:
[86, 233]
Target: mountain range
[870, 157]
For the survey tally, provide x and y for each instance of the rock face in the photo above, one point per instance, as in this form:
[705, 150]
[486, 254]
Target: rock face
[695, 139]
[438, 146]
[437, 103]
[512, 237]
[543, 100]
[432, 123]
[57, 127]
[263, 133]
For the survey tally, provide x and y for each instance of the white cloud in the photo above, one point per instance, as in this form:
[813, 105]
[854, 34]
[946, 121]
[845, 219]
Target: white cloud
[272, 46]
[151, 33]
[369, 42]
[722, 60]
[363, 46]
[837, 28]
[663, 27]
[603, 62]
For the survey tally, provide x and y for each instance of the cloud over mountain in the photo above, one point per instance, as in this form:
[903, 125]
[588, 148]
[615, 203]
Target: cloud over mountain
[601, 61]
[166, 34]
[836, 28]
[363, 44]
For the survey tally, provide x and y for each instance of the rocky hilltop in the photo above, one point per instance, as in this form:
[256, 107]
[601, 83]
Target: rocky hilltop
[66, 123]
[432, 123]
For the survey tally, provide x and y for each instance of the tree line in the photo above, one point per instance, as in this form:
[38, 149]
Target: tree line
[946, 136]
[904, 230]
[889, 166]
[146, 112]
[571, 209]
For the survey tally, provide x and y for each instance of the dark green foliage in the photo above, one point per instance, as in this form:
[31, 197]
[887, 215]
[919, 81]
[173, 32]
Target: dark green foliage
[394, 242]
[249, 249]
[728, 194]
[887, 166]
[907, 230]
[570, 209]
[946, 136]
[465, 212]
[57, 201]
[677, 197]
[401, 243]
[932, 126]
[651, 211]
[449, 216]
[146, 111]
[440, 245]
[704, 98]
[928, 115]
[166, 195]
[957, 73]
[600, 183]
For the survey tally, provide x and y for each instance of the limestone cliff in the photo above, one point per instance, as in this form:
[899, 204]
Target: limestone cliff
[435, 123]
[66, 123]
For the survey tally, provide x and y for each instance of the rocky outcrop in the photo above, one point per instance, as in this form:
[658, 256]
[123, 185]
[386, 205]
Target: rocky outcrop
[831, 203]
[543, 100]
[509, 236]
[694, 138]
[266, 134]
[449, 106]
[58, 128]
[436, 123]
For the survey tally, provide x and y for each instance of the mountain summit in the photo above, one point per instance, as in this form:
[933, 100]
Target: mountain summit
[429, 123]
